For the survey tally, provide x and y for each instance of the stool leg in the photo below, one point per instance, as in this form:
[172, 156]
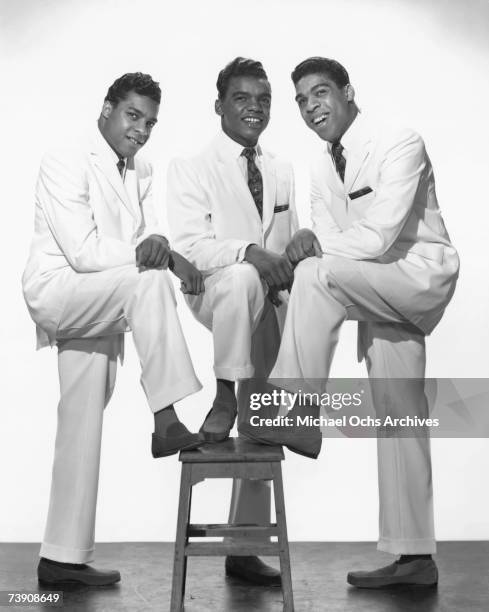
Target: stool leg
[180, 559]
[283, 542]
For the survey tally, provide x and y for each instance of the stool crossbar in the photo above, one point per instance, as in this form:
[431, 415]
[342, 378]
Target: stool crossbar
[234, 458]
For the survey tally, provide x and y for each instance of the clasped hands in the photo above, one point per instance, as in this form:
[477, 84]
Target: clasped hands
[154, 252]
[278, 270]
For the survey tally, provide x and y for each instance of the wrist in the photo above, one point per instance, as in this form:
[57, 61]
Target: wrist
[251, 251]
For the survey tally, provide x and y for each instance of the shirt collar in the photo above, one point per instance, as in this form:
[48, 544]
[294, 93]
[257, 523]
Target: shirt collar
[231, 148]
[105, 147]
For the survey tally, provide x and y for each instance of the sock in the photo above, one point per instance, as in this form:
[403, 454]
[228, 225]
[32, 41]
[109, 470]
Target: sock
[163, 419]
[225, 393]
[408, 558]
[62, 564]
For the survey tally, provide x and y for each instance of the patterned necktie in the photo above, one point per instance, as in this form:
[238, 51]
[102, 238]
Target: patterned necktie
[255, 181]
[121, 164]
[339, 161]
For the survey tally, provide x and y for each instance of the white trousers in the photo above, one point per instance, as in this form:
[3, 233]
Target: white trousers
[101, 306]
[246, 339]
[325, 293]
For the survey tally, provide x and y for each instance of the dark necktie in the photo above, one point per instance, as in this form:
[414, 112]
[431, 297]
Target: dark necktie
[121, 164]
[255, 181]
[339, 161]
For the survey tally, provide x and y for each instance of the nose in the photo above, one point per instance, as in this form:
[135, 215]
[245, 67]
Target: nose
[255, 105]
[142, 128]
[311, 104]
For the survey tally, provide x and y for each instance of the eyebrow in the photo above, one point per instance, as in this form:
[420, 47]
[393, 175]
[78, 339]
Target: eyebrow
[247, 93]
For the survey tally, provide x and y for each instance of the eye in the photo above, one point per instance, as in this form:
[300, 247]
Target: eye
[322, 91]
[132, 115]
[150, 124]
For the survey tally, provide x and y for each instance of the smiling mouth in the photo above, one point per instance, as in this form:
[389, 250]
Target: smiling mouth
[138, 143]
[320, 120]
[253, 121]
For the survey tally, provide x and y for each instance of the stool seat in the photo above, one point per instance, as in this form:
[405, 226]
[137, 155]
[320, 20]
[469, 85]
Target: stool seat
[232, 450]
[232, 458]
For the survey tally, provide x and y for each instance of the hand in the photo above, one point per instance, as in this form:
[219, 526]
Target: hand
[273, 268]
[302, 245]
[192, 280]
[274, 297]
[153, 252]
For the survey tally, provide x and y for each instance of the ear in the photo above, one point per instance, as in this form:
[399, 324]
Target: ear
[350, 93]
[107, 109]
[218, 107]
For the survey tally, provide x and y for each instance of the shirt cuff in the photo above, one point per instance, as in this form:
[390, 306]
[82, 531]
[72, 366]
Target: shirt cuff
[242, 252]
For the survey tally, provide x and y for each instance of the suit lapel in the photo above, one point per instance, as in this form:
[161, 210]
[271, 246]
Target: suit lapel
[108, 168]
[356, 160]
[332, 179]
[269, 177]
[358, 143]
[233, 177]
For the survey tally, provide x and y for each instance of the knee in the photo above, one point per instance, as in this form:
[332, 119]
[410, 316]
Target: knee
[151, 281]
[244, 281]
[306, 270]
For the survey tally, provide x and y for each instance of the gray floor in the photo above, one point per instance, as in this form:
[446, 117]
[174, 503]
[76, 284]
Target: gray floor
[318, 574]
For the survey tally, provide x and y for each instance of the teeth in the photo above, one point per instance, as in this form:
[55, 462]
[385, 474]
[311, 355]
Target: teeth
[252, 120]
[319, 119]
[134, 141]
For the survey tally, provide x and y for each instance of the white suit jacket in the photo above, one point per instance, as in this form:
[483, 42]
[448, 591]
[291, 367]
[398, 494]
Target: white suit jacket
[86, 220]
[386, 211]
[212, 214]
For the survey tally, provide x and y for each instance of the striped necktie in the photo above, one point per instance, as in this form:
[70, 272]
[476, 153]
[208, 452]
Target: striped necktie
[255, 181]
[121, 164]
[339, 161]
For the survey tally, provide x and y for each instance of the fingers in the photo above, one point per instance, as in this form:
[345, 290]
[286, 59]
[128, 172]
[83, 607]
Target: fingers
[318, 251]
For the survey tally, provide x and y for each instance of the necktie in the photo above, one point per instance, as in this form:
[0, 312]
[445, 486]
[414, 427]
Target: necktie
[339, 161]
[255, 181]
[121, 164]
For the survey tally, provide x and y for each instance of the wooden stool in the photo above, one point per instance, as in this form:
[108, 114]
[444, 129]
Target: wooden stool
[234, 458]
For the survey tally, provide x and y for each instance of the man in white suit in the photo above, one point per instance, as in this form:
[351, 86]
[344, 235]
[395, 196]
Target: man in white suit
[231, 211]
[98, 268]
[378, 253]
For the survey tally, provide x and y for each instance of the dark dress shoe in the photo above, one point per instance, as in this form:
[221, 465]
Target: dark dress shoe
[252, 569]
[178, 438]
[304, 441]
[419, 572]
[54, 572]
[226, 415]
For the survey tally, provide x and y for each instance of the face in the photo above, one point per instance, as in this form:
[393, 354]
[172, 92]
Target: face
[127, 125]
[326, 108]
[245, 109]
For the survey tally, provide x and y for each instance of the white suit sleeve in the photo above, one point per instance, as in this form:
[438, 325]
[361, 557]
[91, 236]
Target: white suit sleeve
[374, 234]
[62, 192]
[190, 219]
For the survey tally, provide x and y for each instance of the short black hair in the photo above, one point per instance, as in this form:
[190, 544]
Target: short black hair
[138, 82]
[240, 66]
[321, 65]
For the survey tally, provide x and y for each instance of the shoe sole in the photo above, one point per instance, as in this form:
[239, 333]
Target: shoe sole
[380, 583]
[68, 582]
[291, 448]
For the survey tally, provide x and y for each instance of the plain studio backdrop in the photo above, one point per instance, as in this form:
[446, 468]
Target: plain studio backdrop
[421, 63]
